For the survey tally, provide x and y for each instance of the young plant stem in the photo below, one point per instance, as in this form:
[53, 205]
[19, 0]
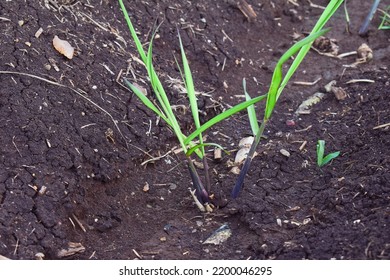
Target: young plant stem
[364, 28]
[240, 181]
[201, 192]
[206, 174]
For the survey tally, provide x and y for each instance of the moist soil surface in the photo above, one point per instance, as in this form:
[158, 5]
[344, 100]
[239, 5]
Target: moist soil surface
[87, 172]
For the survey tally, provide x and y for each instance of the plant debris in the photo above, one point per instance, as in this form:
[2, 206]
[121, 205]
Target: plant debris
[63, 47]
[303, 109]
[73, 248]
[364, 54]
[325, 45]
[339, 92]
[219, 236]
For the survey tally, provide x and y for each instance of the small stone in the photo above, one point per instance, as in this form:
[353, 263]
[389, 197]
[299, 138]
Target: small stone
[146, 187]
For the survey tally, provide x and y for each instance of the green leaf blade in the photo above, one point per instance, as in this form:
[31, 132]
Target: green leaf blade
[224, 115]
[329, 157]
[251, 111]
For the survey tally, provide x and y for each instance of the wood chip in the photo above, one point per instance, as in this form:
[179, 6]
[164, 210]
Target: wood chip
[39, 32]
[247, 10]
[217, 154]
[339, 92]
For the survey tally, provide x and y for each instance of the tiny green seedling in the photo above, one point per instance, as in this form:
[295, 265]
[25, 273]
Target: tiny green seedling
[321, 160]
[385, 24]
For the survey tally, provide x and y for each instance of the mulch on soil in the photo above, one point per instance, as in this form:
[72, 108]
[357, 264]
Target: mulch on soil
[73, 139]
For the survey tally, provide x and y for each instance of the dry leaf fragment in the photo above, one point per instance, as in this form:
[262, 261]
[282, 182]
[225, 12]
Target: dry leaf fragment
[63, 47]
[339, 93]
[247, 10]
[326, 45]
[73, 248]
[246, 142]
[364, 53]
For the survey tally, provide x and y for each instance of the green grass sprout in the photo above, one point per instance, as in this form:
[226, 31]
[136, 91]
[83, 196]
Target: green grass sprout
[278, 83]
[163, 108]
[251, 111]
[321, 160]
[385, 23]
[347, 19]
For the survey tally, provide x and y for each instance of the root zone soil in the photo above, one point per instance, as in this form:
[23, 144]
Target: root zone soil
[73, 139]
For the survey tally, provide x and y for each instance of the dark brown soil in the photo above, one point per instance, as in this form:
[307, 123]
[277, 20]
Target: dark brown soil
[72, 151]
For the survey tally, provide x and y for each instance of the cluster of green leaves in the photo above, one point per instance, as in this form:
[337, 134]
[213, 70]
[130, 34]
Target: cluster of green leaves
[279, 82]
[164, 109]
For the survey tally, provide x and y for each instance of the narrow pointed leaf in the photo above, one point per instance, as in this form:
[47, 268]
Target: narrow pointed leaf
[320, 152]
[329, 157]
[147, 102]
[198, 146]
[251, 111]
[133, 32]
[274, 91]
[226, 114]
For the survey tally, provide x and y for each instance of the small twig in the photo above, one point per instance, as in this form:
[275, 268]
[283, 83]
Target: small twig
[156, 158]
[303, 145]
[13, 142]
[293, 2]
[307, 83]
[93, 255]
[305, 129]
[324, 53]
[342, 55]
[16, 246]
[381, 126]
[227, 36]
[79, 223]
[354, 81]
[71, 221]
[197, 202]
[136, 253]
[316, 6]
